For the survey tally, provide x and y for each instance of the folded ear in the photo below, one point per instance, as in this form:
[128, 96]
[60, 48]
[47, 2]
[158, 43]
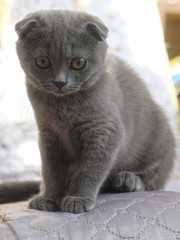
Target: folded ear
[25, 25]
[97, 30]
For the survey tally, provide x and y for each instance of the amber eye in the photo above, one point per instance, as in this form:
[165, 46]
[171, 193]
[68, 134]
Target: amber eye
[43, 62]
[78, 63]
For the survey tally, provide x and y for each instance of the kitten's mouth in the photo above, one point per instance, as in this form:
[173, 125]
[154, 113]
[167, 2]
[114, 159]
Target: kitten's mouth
[61, 92]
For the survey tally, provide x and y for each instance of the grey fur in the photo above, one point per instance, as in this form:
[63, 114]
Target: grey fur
[101, 132]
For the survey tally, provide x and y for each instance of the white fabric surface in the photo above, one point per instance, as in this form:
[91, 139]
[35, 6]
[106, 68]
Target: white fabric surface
[135, 216]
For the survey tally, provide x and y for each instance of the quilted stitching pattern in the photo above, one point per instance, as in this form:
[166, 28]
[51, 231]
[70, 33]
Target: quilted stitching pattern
[132, 216]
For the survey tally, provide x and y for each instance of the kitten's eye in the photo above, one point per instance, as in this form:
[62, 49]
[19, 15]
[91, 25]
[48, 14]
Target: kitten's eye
[78, 63]
[43, 62]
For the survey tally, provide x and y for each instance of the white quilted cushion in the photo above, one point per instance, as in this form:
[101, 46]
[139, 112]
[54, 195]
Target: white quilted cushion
[142, 216]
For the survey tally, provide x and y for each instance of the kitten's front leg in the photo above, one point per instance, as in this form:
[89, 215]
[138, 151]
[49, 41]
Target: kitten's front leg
[54, 173]
[99, 151]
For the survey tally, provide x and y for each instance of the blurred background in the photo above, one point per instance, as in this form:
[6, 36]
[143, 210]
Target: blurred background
[146, 34]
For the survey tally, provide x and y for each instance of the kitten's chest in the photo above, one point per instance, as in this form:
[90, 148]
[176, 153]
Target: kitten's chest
[61, 120]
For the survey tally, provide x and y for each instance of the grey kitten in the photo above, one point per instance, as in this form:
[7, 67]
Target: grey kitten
[99, 129]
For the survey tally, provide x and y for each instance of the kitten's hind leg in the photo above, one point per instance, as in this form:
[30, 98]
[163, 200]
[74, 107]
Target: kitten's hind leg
[127, 182]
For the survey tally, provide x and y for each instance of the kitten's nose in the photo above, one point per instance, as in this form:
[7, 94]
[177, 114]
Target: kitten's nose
[59, 84]
[60, 81]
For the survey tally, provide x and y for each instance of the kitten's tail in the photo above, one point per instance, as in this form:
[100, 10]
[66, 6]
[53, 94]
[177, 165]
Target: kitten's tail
[18, 191]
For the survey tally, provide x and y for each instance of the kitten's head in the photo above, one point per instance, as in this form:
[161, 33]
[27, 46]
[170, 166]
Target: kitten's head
[61, 51]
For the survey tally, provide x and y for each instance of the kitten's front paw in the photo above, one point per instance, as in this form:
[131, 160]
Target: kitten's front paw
[76, 204]
[43, 204]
